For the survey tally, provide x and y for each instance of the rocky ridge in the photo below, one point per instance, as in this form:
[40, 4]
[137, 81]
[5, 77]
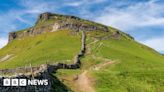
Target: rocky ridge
[60, 22]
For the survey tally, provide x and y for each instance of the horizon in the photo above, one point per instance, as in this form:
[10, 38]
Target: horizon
[128, 16]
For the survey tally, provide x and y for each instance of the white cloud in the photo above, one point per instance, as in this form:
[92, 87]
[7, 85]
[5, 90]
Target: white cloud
[36, 7]
[135, 15]
[75, 4]
[156, 43]
[3, 42]
[7, 21]
[83, 3]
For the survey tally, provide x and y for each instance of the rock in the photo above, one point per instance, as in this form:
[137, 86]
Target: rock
[55, 27]
[44, 16]
[12, 36]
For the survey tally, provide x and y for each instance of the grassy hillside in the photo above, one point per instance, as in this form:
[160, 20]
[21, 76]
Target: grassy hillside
[137, 68]
[113, 61]
[60, 46]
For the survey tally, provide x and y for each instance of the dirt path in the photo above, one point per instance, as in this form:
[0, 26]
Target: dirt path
[103, 64]
[84, 82]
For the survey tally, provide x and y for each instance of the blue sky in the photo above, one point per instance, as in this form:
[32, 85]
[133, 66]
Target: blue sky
[143, 19]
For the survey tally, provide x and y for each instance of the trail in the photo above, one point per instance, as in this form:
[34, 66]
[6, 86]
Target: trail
[88, 51]
[105, 62]
[84, 82]
[102, 65]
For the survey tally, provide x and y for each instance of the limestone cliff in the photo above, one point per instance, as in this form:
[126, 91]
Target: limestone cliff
[48, 22]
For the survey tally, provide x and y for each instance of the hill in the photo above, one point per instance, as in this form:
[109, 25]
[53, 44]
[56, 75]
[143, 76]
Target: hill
[113, 60]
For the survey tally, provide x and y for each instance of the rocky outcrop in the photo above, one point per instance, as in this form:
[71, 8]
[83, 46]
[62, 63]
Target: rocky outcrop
[19, 35]
[61, 22]
[44, 16]
[12, 36]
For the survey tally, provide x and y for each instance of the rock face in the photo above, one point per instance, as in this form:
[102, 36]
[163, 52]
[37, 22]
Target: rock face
[12, 36]
[60, 22]
[45, 16]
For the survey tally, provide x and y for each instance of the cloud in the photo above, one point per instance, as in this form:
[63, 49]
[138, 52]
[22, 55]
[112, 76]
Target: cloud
[75, 4]
[7, 21]
[141, 14]
[3, 42]
[156, 43]
[83, 3]
[38, 6]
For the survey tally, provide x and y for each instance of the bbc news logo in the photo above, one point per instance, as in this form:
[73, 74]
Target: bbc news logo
[24, 82]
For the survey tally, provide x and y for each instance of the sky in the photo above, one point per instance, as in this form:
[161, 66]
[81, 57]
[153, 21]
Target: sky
[142, 19]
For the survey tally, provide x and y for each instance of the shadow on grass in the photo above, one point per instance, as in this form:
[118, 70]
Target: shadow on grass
[58, 86]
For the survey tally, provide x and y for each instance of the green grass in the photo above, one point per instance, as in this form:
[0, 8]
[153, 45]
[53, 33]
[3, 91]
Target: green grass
[137, 68]
[59, 46]
[19, 31]
[67, 76]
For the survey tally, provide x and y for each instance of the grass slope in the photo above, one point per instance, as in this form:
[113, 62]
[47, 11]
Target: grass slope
[60, 46]
[137, 68]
